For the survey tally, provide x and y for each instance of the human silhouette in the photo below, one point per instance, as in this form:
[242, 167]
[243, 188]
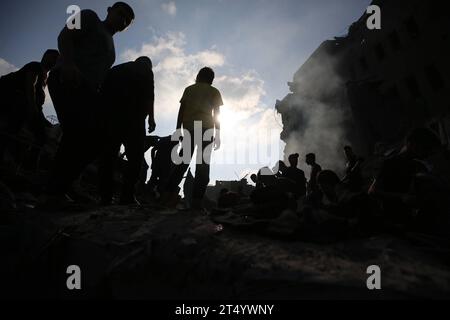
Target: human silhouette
[162, 165]
[273, 194]
[315, 169]
[339, 201]
[23, 97]
[353, 176]
[86, 56]
[394, 185]
[280, 169]
[327, 181]
[128, 99]
[295, 174]
[200, 103]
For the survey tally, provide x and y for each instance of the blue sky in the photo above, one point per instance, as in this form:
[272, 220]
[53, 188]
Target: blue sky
[255, 47]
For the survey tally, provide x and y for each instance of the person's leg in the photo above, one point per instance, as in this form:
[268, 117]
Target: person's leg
[202, 170]
[134, 142]
[110, 148]
[106, 169]
[171, 185]
[77, 148]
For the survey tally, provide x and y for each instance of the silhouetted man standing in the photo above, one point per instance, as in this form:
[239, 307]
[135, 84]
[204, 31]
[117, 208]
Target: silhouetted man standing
[86, 56]
[315, 169]
[128, 97]
[200, 105]
[295, 174]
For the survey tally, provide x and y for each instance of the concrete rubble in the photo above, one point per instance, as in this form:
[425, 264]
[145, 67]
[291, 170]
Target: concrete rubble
[153, 253]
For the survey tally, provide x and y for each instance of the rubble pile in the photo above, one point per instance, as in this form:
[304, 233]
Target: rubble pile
[152, 253]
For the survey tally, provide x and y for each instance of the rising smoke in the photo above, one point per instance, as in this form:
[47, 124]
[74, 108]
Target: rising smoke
[317, 114]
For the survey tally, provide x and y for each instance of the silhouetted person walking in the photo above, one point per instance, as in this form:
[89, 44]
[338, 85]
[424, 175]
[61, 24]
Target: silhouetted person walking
[200, 104]
[128, 99]
[23, 96]
[86, 56]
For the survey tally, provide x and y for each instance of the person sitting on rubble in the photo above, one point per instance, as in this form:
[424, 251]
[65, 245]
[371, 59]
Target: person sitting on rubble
[394, 185]
[329, 184]
[341, 201]
[353, 176]
[23, 98]
[273, 194]
[280, 169]
[340, 213]
[228, 199]
[433, 188]
[254, 179]
[295, 174]
[128, 97]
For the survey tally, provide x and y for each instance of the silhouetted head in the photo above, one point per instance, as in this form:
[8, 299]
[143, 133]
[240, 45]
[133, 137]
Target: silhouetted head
[421, 142]
[266, 176]
[144, 60]
[348, 151]
[293, 160]
[49, 59]
[310, 159]
[280, 167]
[327, 181]
[120, 16]
[254, 178]
[205, 75]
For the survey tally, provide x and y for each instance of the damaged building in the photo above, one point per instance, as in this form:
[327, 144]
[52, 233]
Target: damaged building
[370, 87]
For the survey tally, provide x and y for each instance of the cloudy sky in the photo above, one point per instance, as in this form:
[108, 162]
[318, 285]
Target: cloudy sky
[255, 47]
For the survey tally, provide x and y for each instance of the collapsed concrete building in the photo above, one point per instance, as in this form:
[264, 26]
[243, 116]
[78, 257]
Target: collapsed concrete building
[370, 87]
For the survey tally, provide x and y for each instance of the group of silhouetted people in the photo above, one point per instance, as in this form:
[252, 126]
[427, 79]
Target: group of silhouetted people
[408, 191]
[100, 108]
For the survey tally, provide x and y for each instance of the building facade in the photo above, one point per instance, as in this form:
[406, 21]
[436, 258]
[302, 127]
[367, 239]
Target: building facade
[380, 83]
